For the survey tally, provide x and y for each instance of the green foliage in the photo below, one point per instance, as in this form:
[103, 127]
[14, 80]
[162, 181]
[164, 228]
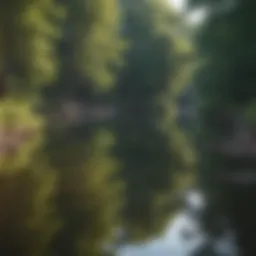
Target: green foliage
[88, 195]
[88, 192]
[29, 31]
[98, 47]
[146, 134]
[226, 94]
[65, 184]
[28, 220]
[21, 131]
[250, 114]
[90, 47]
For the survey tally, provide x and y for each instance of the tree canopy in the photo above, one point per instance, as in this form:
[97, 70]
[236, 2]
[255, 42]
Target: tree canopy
[226, 95]
[146, 137]
[89, 141]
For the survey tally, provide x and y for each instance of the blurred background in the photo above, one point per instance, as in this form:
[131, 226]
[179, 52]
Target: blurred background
[127, 128]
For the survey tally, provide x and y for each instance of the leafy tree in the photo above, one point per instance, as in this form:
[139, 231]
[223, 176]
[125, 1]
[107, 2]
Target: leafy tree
[89, 50]
[28, 32]
[224, 85]
[88, 191]
[28, 219]
[145, 146]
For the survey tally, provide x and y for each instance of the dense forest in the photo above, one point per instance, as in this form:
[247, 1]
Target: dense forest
[109, 109]
[225, 133]
[88, 142]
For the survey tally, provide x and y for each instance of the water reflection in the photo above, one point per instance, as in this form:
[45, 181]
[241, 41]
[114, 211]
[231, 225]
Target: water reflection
[183, 236]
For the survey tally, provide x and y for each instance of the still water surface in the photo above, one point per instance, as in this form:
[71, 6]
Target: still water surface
[173, 242]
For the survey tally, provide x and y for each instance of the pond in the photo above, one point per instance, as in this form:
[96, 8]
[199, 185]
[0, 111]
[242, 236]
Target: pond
[182, 236]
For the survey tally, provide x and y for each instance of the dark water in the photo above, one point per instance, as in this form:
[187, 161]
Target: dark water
[182, 236]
